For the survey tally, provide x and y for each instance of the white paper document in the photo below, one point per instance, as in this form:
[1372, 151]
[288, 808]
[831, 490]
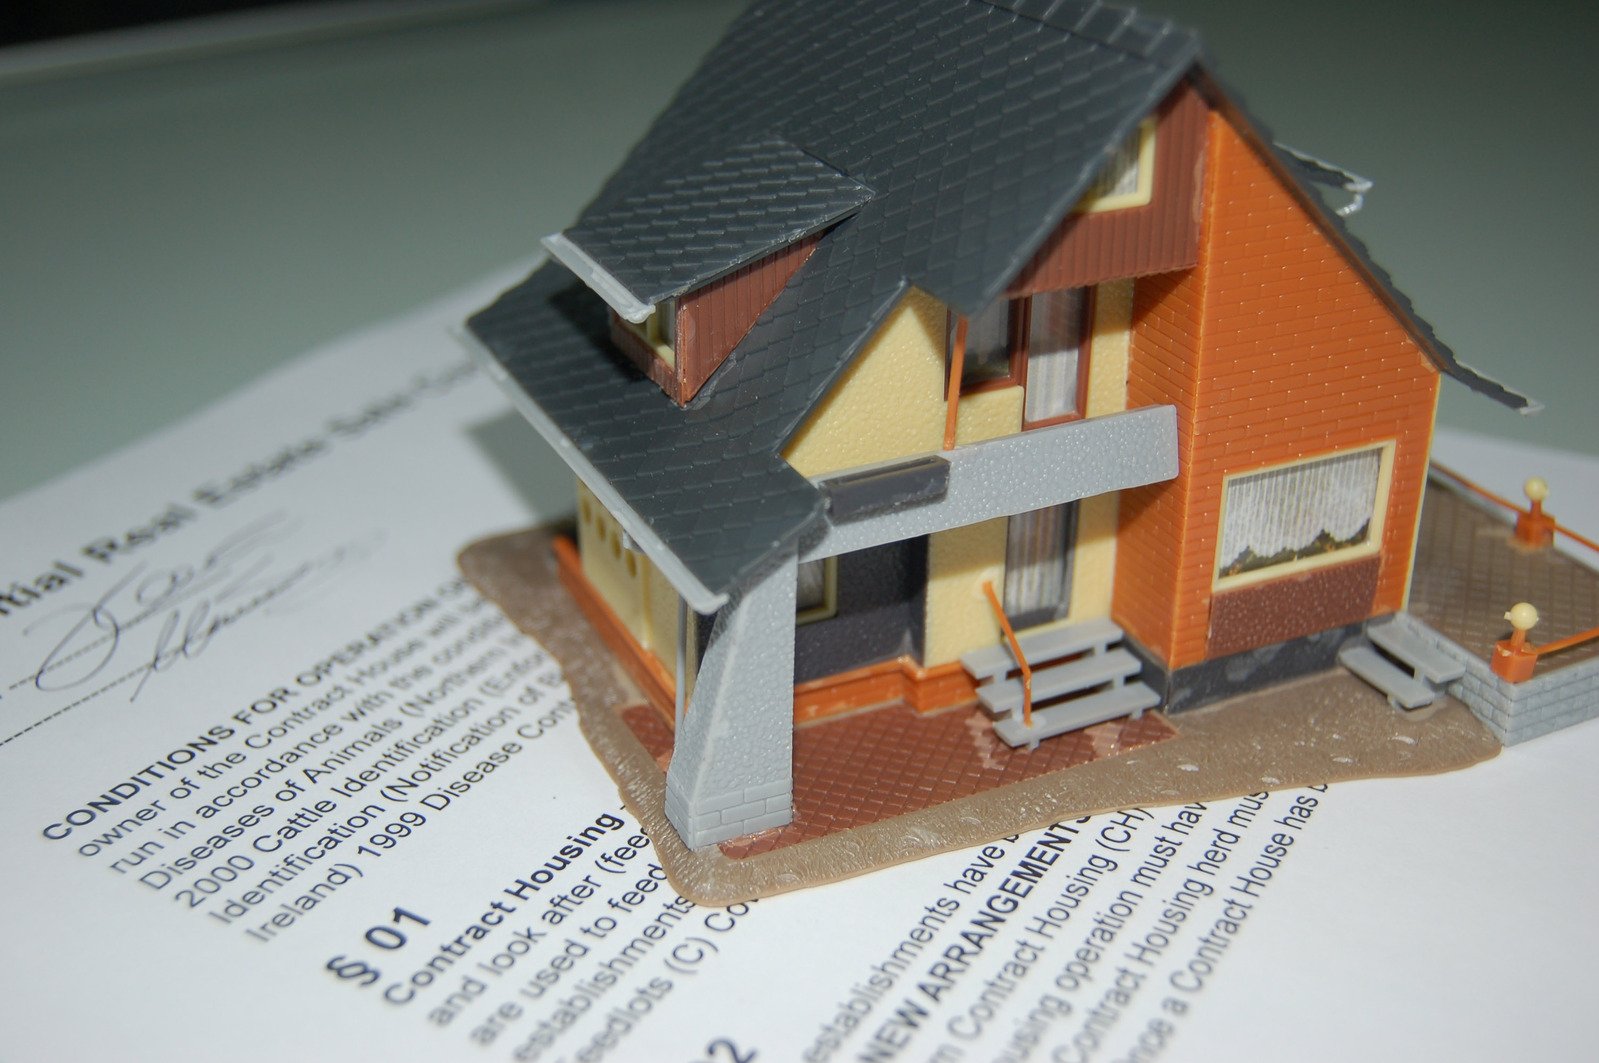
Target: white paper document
[279, 785]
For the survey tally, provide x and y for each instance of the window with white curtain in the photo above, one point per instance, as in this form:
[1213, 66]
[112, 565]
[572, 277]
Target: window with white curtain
[1127, 179]
[1301, 513]
[1055, 329]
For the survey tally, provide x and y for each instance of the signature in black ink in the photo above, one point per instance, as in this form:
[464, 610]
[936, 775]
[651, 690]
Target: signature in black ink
[181, 608]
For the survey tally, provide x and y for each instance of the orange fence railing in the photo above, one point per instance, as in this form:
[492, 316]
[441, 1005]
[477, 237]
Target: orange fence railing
[1513, 659]
[1528, 518]
[1016, 651]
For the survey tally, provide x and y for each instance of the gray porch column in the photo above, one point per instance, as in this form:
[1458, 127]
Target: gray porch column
[733, 759]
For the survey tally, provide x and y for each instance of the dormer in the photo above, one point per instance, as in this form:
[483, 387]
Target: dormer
[685, 338]
[688, 268]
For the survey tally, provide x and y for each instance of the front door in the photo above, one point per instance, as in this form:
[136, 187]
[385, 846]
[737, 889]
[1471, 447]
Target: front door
[1038, 564]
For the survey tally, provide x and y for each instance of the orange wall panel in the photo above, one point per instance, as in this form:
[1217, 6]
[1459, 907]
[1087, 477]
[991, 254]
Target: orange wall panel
[1273, 348]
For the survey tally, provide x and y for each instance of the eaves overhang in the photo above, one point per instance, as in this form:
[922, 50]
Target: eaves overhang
[684, 230]
[699, 597]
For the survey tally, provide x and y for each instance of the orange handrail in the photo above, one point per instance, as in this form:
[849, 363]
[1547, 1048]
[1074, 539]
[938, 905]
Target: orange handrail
[1584, 540]
[1483, 492]
[1570, 640]
[1475, 488]
[1514, 659]
[1016, 651]
[952, 392]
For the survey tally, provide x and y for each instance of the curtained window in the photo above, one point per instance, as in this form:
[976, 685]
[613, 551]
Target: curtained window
[1300, 512]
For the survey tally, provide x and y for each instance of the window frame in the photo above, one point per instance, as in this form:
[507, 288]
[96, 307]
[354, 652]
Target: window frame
[1085, 333]
[1016, 345]
[1370, 547]
[1019, 342]
[827, 608]
[659, 330]
[1094, 202]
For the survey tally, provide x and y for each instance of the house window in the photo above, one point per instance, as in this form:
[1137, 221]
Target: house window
[1039, 342]
[1303, 515]
[1057, 326]
[1128, 179]
[991, 346]
[1038, 564]
[816, 590]
[659, 330]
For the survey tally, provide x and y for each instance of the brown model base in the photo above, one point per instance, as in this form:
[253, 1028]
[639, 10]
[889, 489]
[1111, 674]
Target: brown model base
[1327, 728]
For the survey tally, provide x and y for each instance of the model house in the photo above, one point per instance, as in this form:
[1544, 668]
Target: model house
[899, 308]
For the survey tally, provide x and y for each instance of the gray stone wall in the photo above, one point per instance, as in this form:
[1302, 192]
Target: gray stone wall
[1554, 698]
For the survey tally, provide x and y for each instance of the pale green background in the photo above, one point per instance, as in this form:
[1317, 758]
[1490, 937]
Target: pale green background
[175, 224]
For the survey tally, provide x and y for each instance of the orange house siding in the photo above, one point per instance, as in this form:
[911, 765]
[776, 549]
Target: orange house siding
[1273, 348]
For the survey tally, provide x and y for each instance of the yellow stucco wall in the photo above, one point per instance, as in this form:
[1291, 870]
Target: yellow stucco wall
[629, 582]
[1107, 348]
[606, 565]
[889, 404]
[660, 615]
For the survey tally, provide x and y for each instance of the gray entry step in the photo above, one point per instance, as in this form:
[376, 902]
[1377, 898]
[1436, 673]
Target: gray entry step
[1041, 644]
[1005, 697]
[1428, 661]
[1403, 689]
[1076, 714]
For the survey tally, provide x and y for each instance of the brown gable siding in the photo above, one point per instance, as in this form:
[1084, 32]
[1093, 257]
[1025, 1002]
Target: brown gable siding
[1272, 349]
[712, 320]
[1160, 236]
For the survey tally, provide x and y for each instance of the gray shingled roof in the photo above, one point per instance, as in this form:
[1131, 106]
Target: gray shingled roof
[976, 126]
[725, 210]
[976, 129]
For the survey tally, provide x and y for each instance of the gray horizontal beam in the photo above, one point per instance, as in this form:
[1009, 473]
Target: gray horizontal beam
[1015, 474]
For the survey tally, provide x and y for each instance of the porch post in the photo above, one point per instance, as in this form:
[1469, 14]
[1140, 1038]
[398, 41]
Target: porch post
[733, 758]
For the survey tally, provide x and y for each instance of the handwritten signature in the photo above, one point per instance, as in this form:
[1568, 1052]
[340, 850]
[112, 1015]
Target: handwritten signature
[182, 608]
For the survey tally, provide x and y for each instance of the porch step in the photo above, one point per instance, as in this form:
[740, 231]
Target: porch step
[1402, 689]
[1005, 697]
[1041, 644]
[1076, 713]
[1427, 661]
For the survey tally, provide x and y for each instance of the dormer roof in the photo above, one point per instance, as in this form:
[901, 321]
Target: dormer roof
[685, 230]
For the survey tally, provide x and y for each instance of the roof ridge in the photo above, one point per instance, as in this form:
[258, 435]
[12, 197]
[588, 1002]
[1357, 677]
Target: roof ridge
[1122, 28]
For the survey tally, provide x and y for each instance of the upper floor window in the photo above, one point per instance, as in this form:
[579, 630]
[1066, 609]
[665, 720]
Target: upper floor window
[994, 345]
[1304, 514]
[1037, 342]
[1128, 179]
[1056, 366]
